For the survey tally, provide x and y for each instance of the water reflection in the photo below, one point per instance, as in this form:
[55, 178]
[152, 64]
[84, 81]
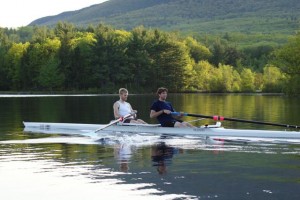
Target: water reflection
[124, 147]
[103, 166]
[115, 167]
[26, 177]
[162, 155]
[123, 153]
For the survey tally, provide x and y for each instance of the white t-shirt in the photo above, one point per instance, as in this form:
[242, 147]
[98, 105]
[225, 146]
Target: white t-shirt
[124, 108]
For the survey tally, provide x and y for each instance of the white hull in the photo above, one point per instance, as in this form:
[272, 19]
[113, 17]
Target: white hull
[212, 130]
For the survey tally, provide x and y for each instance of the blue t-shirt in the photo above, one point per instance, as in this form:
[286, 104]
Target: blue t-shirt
[163, 105]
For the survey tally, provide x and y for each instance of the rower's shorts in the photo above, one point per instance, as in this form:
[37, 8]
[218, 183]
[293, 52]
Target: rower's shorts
[127, 120]
[170, 123]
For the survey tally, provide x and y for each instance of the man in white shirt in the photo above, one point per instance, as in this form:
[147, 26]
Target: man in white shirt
[122, 108]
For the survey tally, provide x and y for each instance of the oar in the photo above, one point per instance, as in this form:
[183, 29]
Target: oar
[195, 120]
[220, 118]
[114, 122]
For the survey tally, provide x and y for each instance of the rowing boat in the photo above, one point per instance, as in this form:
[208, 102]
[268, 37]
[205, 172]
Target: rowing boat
[204, 131]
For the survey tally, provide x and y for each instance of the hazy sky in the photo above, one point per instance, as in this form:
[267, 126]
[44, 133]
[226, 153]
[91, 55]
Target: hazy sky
[17, 13]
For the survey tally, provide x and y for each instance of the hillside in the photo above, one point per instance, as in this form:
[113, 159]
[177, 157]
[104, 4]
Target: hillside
[199, 16]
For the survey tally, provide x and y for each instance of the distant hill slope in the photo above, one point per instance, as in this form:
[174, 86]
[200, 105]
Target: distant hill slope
[201, 16]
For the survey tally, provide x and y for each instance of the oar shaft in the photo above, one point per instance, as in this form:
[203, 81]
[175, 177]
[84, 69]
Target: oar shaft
[220, 118]
[195, 120]
[114, 122]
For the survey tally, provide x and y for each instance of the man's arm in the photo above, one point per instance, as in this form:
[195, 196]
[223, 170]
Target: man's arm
[116, 110]
[133, 112]
[154, 114]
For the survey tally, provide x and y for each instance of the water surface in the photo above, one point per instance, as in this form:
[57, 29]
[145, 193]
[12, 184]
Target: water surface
[137, 166]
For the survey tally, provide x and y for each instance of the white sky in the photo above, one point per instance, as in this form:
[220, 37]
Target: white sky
[17, 13]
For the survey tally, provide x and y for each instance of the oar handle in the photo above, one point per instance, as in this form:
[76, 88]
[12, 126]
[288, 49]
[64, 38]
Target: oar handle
[178, 114]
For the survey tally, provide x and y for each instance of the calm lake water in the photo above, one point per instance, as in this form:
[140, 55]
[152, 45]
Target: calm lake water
[38, 166]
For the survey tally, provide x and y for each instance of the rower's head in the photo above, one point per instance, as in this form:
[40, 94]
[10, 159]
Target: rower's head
[162, 93]
[123, 93]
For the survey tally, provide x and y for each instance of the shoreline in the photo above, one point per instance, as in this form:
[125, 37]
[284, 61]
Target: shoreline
[71, 93]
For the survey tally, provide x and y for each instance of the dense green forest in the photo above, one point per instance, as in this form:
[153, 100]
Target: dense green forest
[189, 16]
[247, 30]
[267, 22]
[102, 59]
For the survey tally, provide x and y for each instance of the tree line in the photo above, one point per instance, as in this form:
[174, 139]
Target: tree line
[102, 59]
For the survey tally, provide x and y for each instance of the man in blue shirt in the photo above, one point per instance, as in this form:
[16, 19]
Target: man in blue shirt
[161, 109]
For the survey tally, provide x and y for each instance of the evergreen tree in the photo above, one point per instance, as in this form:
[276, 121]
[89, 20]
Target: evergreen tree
[288, 60]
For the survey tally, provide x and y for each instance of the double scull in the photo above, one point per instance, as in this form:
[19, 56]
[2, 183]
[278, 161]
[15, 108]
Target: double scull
[204, 131]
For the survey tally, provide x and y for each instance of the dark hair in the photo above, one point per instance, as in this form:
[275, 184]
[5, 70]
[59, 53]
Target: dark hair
[161, 90]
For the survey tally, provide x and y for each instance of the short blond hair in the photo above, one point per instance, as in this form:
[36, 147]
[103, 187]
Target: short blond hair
[123, 90]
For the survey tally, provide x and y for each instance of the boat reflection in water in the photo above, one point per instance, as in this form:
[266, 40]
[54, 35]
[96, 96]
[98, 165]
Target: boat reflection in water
[162, 155]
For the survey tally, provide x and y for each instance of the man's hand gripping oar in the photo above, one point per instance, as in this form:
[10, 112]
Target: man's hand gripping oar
[116, 121]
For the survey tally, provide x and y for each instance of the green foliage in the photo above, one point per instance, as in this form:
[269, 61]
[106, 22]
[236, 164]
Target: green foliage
[196, 50]
[288, 57]
[190, 16]
[230, 78]
[253, 29]
[13, 63]
[218, 50]
[208, 78]
[103, 59]
[49, 77]
[273, 79]
[248, 31]
[82, 71]
[247, 80]
[142, 52]
[288, 60]
[293, 85]
[225, 79]
[202, 75]
[4, 79]
[259, 81]
[110, 58]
